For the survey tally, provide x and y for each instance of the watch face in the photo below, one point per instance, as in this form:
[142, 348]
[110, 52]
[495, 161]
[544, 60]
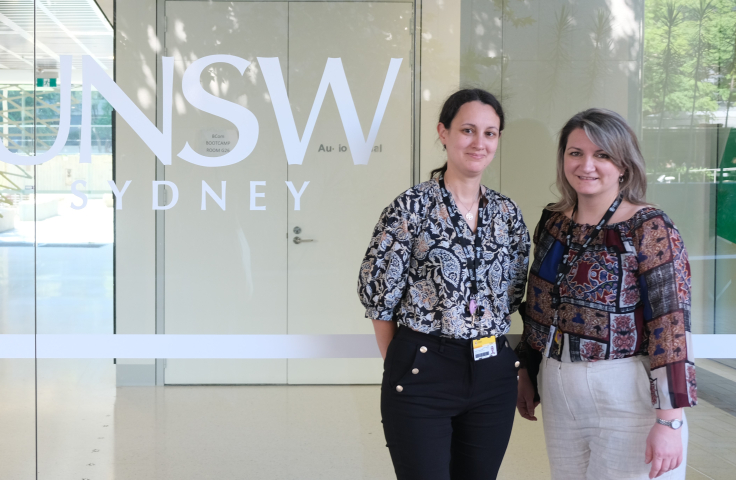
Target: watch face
[676, 424]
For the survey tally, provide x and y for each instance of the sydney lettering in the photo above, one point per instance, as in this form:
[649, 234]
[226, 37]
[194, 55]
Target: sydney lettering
[160, 201]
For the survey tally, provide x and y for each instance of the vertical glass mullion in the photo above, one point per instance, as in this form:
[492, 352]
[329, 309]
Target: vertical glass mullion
[35, 248]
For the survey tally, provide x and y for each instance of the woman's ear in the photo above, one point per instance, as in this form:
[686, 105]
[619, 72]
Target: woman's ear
[442, 133]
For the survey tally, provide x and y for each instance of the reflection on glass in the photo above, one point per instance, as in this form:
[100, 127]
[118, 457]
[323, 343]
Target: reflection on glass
[74, 243]
[687, 97]
[16, 182]
[687, 101]
[17, 389]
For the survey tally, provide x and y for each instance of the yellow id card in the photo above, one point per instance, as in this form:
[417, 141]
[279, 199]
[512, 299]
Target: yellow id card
[484, 347]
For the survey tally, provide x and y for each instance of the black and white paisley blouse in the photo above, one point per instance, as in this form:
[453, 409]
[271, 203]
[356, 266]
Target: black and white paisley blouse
[415, 270]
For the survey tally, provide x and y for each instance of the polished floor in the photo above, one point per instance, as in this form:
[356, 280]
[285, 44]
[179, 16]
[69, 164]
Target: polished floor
[86, 428]
[89, 429]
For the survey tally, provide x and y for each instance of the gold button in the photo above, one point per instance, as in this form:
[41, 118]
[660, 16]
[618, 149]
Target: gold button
[415, 371]
[399, 388]
[516, 364]
[423, 349]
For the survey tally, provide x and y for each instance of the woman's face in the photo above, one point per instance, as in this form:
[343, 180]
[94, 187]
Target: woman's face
[472, 138]
[588, 168]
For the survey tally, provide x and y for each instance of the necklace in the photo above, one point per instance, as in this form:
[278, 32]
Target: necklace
[469, 216]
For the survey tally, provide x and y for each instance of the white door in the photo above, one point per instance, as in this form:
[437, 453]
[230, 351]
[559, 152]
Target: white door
[238, 271]
[226, 270]
[342, 202]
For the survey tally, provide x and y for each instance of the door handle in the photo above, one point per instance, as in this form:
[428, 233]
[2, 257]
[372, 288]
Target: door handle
[298, 240]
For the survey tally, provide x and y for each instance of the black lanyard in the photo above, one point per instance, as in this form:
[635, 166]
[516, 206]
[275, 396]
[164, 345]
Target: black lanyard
[473, 260]
[565, 266]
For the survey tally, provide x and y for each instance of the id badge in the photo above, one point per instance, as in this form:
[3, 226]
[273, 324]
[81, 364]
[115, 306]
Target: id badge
[550, 340]
[555, 336]
[484, 347]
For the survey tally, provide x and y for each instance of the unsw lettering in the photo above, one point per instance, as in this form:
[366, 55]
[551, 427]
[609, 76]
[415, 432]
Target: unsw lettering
[243, 119]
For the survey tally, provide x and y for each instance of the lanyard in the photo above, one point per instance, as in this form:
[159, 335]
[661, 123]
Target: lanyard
[473, 260]
[566, 265]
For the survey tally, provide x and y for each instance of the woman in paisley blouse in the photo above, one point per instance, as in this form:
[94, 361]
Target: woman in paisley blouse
[610, 325]
[448, 262]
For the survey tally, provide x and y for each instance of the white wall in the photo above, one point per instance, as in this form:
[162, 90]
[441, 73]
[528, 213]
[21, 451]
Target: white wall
[440, 74]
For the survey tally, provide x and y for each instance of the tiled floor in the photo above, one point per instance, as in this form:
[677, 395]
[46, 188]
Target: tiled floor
[90, 429]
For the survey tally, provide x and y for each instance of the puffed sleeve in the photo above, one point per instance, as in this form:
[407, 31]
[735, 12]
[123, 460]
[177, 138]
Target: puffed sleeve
[383, 273]
[664, 281]
[529, 357]
[519, 251]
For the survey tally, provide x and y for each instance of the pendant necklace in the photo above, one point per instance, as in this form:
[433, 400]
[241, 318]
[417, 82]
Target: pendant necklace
[469, 216]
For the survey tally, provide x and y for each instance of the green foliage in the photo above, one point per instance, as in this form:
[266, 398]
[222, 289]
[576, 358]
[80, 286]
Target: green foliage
[508, 15]
[602, 40]
[558, 52]
[689, 57]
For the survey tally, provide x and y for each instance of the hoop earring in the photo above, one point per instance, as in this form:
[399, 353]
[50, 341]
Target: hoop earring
[621, 179]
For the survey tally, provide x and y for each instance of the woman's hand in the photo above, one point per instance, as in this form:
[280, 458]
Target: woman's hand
[664, 449]
[385, 331]
[525, 397]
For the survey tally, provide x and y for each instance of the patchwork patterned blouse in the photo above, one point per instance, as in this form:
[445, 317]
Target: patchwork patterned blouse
[628, 295]
[416, 268]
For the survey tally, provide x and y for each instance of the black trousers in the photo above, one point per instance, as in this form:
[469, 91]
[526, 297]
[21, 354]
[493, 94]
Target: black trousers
[446, 416]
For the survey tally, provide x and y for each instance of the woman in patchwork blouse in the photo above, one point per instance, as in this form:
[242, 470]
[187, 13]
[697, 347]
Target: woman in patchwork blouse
[607, 314]
[448, 262]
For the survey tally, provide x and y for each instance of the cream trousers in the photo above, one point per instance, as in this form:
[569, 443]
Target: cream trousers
[597, 416]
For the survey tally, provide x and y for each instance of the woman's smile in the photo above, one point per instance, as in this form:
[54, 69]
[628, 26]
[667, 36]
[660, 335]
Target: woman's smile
[588, 168]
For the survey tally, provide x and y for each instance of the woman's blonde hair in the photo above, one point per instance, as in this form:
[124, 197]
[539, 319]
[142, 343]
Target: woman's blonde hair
[610, 132]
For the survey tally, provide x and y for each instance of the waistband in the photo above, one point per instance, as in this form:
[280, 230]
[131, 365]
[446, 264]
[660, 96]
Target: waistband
[611, 362]
[430, 341]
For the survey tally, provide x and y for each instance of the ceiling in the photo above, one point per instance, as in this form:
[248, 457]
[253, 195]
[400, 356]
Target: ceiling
[63, 27]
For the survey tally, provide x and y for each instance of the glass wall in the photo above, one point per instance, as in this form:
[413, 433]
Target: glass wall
[57, 232]
[188, 188]
[687, 97]
[17, 266]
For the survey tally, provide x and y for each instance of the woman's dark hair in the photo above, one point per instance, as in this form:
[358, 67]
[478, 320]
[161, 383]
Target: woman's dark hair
[452, 106]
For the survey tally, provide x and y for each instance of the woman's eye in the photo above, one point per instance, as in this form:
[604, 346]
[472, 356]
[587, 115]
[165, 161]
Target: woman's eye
[604, 155]
[467, 130]
[574, 154]
[491, 134]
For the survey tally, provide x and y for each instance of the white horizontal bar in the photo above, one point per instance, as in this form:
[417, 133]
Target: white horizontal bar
[714, 346]
[188, 346]
[712, 257]
[17, 346]
[241, 346]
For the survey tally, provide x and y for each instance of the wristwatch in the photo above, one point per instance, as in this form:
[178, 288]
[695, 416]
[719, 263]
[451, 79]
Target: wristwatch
[674, 424]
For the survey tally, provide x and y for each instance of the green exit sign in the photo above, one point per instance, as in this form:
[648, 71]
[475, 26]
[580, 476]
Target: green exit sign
[45, 82]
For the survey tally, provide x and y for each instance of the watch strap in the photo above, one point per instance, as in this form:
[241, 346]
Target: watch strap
[674, 424]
